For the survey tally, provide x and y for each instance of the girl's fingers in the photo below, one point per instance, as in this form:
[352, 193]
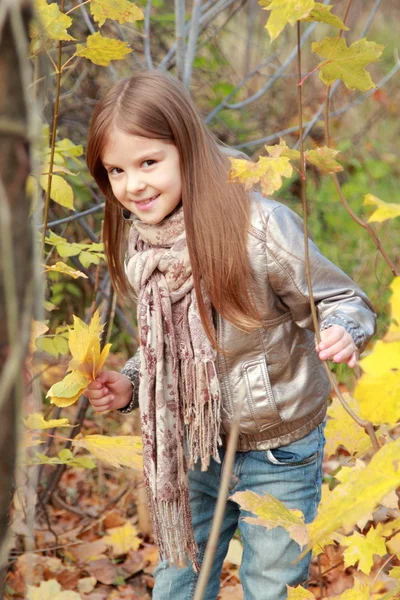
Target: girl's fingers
[104, 404]
[353, 360]
[340, 346]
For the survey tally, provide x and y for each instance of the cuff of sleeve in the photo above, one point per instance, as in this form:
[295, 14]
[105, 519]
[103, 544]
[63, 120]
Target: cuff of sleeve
[132, 404]
[349, 325]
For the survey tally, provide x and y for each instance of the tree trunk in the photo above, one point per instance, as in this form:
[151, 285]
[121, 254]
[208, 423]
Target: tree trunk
[16, 270]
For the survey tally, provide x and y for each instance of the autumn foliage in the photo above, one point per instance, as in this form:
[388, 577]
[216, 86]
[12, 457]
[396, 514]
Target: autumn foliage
[357, 529]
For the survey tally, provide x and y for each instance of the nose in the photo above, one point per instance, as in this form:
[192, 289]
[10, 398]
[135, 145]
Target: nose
[135, 183]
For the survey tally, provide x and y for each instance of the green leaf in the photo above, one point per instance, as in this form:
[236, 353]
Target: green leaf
[68, 148]
[87, 259]
[65, 249]
[347, 62]
[61, 267]
[60, 344]
[322, 14]
[101, 50]
[61, 192]
[284, 12]
[46, 344]
[53, 238]
[54, 22]
[37, 421]
[118, 10]
[324, 159]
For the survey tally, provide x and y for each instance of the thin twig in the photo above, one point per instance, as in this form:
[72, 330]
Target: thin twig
[366, 226]
[53, 138]
[223, 104]
[75, 216]
[220, 507]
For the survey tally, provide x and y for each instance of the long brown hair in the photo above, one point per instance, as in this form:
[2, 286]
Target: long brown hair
[154, 105]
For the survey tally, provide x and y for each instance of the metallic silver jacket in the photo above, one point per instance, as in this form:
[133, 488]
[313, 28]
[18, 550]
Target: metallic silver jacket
[275, 372]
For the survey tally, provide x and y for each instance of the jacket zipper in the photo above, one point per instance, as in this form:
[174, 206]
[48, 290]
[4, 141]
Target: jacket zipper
[222, 368]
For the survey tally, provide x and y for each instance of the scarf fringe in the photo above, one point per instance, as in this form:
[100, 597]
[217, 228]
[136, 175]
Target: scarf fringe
[173, 532]
[201, 400]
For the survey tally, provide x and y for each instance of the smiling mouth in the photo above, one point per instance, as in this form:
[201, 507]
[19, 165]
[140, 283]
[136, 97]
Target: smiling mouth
[147, 200]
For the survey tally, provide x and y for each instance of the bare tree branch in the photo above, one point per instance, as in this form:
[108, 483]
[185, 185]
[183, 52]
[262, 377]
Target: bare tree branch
[192, 43]
[180, 36]
[208, 15]
[147, 50]
[334, 113]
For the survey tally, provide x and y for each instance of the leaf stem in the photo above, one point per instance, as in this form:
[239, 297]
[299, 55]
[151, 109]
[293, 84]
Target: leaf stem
[303, 187]
[365, 225]
[77, 6]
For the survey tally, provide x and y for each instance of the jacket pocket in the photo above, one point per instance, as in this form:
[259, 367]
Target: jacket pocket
[259, 394]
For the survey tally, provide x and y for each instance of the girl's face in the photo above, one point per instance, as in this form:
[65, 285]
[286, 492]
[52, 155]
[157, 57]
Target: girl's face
[144, 174]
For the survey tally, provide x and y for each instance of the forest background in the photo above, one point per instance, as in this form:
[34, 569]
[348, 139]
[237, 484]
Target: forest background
[81, 526]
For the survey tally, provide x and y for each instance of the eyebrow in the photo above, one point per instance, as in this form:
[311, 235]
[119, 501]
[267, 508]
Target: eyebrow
[146, 155]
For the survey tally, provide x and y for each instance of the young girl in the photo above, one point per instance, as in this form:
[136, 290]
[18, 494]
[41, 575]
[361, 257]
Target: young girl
[224, 318]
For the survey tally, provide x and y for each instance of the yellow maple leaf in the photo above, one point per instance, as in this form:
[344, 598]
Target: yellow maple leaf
[359, 494]
[381, 371]
[66, 392]
[119, 10]
[322, 14]
[118, 451]
[84, 344]
[284, 12]
[271, 513]
[282, 149]
[384, 210]
[65, 269]
[86, 362]
[342, 430]
[268, 171]
[347, 62]
[122, 539]
[394, 572]
[53, 22]
[324, 159]
[361, 548]
[393, 333]
[101, 50]
[360, 591]
[299, 593]
[37, 421]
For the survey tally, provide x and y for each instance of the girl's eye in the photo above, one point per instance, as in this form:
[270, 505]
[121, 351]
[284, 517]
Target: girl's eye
[148, 163]
[115, 171]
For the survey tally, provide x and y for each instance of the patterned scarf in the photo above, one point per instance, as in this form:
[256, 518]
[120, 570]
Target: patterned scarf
[179, 394]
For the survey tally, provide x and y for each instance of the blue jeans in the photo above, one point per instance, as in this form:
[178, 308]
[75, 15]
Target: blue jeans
[293, 474]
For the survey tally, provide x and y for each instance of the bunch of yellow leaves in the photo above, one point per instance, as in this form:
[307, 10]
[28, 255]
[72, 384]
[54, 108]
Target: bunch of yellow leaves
[87, 361]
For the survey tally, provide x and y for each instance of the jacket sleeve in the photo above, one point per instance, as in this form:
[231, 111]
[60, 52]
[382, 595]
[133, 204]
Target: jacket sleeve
[338, 299]
[131, 370]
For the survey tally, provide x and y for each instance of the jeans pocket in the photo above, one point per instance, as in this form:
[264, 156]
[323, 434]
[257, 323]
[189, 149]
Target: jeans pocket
[301, 452]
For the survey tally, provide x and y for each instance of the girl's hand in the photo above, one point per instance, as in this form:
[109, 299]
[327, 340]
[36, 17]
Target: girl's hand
[338, 345]
[111, 390]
